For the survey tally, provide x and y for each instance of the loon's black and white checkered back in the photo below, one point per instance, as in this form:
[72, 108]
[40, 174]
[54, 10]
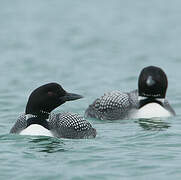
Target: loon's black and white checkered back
[110, 106]
[70, 125]
[112, 100]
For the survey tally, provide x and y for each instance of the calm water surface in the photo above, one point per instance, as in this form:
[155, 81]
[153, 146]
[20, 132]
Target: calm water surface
[89, 47]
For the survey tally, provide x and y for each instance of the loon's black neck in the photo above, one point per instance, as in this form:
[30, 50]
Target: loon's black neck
[146, 100]
[40, 119]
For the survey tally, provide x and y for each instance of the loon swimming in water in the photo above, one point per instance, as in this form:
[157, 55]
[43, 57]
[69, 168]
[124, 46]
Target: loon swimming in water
[146, 102]
[38, 119]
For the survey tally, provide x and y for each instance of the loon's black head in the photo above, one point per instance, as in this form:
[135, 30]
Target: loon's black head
[48, 97]
[152, 82]
[152, 86]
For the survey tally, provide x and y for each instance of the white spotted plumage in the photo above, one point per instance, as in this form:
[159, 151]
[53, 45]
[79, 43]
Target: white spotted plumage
[111, 105]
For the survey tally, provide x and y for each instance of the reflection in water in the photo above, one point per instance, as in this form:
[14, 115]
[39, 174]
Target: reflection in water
[153, 124]
[47, 144]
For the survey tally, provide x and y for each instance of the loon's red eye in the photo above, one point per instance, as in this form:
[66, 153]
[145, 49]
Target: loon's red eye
[50, 93]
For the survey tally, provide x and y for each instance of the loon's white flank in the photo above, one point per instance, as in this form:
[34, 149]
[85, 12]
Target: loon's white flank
[150, 110]
[36, 130]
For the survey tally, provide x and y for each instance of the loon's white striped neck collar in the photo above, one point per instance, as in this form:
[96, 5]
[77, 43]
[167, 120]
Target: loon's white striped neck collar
[43, 113]
[28, 116]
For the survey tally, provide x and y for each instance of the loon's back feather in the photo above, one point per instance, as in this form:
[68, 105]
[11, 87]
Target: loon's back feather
[69, 125]
[111, 106]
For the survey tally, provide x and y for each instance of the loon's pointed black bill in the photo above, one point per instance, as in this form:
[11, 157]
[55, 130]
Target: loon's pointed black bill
[72, 97]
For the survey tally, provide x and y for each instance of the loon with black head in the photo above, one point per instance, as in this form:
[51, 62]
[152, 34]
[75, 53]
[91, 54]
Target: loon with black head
[152, 88]
[38, 119]
[147, 102]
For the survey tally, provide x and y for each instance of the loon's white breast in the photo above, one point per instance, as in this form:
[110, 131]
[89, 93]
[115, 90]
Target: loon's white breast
[36, 130]
[151, 110]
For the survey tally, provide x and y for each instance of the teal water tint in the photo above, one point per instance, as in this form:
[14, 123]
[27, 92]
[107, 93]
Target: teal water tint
[89, 47]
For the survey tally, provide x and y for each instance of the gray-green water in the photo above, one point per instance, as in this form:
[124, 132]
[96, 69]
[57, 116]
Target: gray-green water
[89, 47]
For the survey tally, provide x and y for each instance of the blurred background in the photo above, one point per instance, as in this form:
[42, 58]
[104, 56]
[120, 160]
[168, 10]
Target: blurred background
[89, 47]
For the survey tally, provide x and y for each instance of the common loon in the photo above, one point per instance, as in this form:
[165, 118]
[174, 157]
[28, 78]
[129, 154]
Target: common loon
[146, 102]
[38, 119]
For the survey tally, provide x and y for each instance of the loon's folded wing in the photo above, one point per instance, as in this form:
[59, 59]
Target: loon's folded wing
[169, 107]
[111, 106]
[68, 125]
[19, 125]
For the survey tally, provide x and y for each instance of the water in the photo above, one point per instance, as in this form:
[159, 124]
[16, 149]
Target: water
[89, 47]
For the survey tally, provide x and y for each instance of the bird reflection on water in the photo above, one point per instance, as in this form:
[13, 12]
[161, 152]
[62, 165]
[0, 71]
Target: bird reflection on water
[153, 124]
[48, 144]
